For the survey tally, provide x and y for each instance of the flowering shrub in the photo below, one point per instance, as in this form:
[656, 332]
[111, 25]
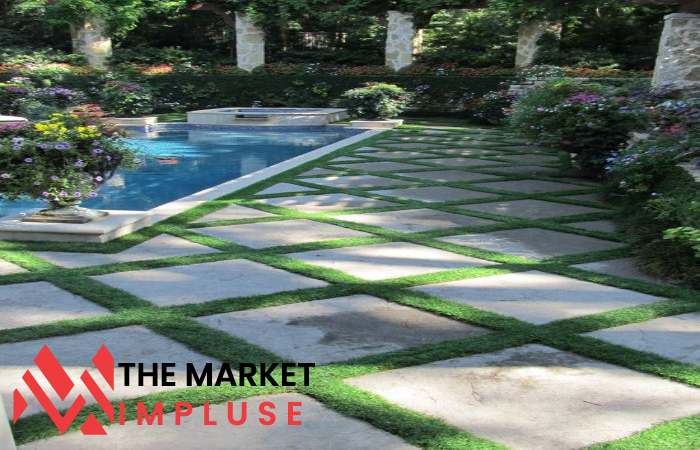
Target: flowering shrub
[589, 122]
[375, 101]
[61, 161]
[493, 108]
[127, 98]
[57, 96]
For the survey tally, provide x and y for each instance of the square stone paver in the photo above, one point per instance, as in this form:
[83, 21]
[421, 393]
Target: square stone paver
[322, 428]
[533, 158]
[448, 175]
[413, 145]
[318, 171]
[392, 260]
[416, 220]
[162, 246]
[624, 267]
[338, 329]
[532, 242]
[524, 170]
[75, 353]
[326, 202]
[462, 151]
[604, 226]
[369, 149]
[380, 166]
[467, 162]
[537, 297]
[346, 159]
[358, 181]
[26, 304]
[286, 232]
[7, 268]
[403, 155]
[596, 198]
[281, 188]
[674, 337]
[536, 397]
[234, 212]
[531, 209]
[530, 186]
[198, 283]
[436, 194]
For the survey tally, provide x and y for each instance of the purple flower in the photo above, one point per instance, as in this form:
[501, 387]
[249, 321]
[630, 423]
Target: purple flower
[44, 145]
[5, 175]
[99, 179]
[97, 151]
[28, 160]
[77, 195]
[584, 98]
[62, 146]
[79, 163]
[108, 158]
[53, 178]
[92, 194]
[63, 194]
[17, 140]
[44, 194]
[15, 90]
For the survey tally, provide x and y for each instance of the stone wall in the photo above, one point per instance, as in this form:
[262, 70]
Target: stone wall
[90, 38]
[401, 39]
[250, 43]
[678, 60]
[528, 35]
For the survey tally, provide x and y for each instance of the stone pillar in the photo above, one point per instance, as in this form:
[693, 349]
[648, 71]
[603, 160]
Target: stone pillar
[7, 442]
[250, 43]
[90, 38]
[400, 40]
[528, 35]
[678, 60]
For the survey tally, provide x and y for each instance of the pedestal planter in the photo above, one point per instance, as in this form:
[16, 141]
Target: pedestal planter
[377, 124]
[66, 214]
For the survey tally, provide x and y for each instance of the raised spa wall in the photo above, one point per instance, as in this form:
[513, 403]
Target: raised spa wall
[239, 116]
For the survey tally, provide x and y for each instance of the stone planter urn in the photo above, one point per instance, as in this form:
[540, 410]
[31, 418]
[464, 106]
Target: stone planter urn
[65, 212]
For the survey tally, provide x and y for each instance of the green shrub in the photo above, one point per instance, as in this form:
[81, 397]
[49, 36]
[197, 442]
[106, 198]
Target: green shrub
[375, 101]
[127, 98]
[493, 108]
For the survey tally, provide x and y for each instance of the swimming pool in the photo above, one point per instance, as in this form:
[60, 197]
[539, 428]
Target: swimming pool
[183, 160]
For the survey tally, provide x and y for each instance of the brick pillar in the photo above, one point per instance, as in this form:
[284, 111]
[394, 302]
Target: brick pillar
[250, 43]
[400, 40]
[528, 35]
[678, 59]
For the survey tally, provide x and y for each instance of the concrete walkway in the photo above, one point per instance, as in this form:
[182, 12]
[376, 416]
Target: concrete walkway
[454, 274]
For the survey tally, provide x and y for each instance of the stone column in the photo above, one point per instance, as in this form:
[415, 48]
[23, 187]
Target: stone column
[7, 442]
[400, 39]
[528, 35]
[250, 43]
[90, 38]
[678, 60]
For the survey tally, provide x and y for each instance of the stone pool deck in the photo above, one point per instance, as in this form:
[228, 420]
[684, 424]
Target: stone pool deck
[455, 290]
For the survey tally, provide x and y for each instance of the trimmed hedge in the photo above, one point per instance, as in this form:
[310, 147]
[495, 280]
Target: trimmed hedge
[180, 92]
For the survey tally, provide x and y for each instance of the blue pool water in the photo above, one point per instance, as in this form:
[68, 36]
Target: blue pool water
[180, 163]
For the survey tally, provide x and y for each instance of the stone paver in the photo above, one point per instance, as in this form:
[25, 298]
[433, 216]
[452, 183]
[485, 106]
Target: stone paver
[537, 297]
[26, 304]
[75, 352]
[392, 260]
[286, 232]
[358, 181]
[533, 158]
[469, 152]
[530, 186]
[199, 283]
[326, 202]
[605, 226]
[448, 176]
[623, 267]
[234, 212]
[380, 166]
[416, 220]
[163, 246]
[7, 268]
[346, 159]
[322, 428]
[282, 188]
[436, 194]
[412, 145]
[533, 243]
[403, 155]
[675, 337]
[536, 397]
[531, 209]
[317, 172]
[467, 162]
[338, 329]
[524, 170]
[368, 149]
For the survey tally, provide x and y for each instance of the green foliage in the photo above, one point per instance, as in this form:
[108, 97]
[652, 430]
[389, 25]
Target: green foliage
[127, 98]
[375, 101]
[493, 108]
[586, 120]
[61, 160]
